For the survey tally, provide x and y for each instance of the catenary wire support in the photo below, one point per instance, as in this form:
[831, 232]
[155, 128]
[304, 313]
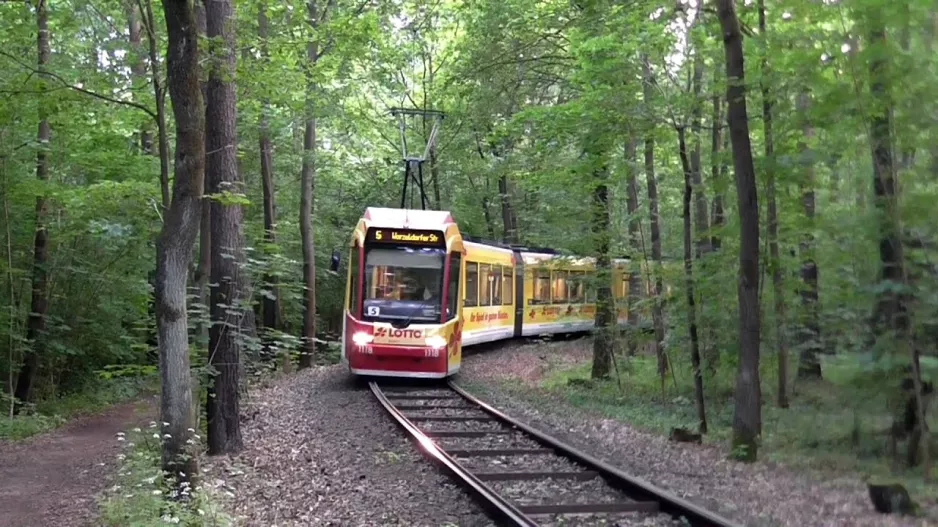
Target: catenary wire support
[413, 164]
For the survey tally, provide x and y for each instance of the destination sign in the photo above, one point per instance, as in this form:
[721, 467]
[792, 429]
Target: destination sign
[406, 237]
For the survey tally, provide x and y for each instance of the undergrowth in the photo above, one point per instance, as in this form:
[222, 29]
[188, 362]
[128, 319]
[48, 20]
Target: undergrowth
[142, 497]
[837, 424]
[113, 386]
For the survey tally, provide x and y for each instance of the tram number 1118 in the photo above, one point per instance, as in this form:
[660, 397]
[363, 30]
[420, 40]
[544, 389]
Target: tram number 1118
[432, 353]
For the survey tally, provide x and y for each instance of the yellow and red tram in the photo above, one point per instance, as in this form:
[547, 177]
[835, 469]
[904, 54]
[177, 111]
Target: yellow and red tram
[417, 292]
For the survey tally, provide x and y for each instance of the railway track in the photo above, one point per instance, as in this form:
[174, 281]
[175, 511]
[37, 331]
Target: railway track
[521, 475]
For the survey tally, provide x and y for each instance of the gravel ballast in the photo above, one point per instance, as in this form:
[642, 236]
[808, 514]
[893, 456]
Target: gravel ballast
[320, 451]
[758, 494]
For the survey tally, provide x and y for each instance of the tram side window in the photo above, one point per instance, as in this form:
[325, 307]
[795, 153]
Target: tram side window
[452, 294]
[472, 284]
[508, 281]
[354, 301]
[496, 285]
[542, 287]
[559, 293]
[576, 291]
[485, 284]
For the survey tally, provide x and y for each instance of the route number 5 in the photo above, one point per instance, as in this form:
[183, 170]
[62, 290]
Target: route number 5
[374, 311]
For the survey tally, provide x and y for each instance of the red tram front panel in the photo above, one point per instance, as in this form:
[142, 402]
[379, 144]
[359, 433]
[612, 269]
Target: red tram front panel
[420, 350]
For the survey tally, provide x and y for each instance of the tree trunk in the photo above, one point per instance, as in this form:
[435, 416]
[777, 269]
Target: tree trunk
[174, 245]
[138, 67]
[701, 216]
[781, 322]
[307, 183]
[747, 414]
[652, 184]
[889, 314]
[719, 214]
[602, 343]
[36, 322]
[635, 279]
[271, 303]
[689, 279]
[160, 98]
[809, 340]
[221, 172]
[508, 214]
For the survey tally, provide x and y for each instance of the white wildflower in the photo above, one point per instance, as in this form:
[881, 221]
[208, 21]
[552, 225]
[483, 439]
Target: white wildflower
[138, 430]
[156, 492]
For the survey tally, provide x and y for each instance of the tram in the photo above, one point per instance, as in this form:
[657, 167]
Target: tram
[417, 292]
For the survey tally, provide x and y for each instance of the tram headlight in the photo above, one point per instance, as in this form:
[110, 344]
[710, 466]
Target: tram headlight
[361, 338]
[436, 342]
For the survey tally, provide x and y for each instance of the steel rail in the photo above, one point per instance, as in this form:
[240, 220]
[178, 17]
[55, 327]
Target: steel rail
[634, 487]
[494, 503]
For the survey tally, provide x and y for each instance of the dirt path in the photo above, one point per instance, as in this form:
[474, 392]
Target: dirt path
[53, 479]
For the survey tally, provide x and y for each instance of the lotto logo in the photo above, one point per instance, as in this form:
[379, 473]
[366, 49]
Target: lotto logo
[398, 333]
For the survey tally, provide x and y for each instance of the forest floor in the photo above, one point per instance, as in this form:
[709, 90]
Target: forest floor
[54, 478]
[319, 450]
[806, 476]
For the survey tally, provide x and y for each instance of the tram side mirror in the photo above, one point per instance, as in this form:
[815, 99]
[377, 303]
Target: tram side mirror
[336, 257]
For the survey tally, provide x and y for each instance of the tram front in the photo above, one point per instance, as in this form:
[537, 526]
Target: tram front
[402, 314]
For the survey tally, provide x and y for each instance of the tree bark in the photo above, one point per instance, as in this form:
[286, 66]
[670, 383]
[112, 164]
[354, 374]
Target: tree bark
[635, 280]
[174, 245]
[159, 95]
[602, 343]
[748, 408]
[138, 67]
[509, 220]
[271, 303]
[221, 172]
[36, 321]
[809, 365]
[307, 184]
[689, 281]
[781, 322]
[701, 216]
[890, 312]
[652, 184]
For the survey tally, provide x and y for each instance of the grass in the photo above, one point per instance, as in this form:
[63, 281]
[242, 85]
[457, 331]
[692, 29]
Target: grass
[49, 414]
[838, 424]
[142, 498]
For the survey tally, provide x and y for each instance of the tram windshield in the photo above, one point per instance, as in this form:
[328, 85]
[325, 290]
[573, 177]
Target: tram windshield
[403, 284]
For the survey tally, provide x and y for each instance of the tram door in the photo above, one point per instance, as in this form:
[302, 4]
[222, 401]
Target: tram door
[519, 293]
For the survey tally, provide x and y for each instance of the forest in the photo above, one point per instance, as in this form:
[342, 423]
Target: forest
[175, 176]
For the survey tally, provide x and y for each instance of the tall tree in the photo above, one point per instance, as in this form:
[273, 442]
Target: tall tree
[159, 96]
[315, 19]
[174, 245]
[39, 304]
[809, 331]
[635, 244]
[748, 397]
[781, 343]
[225, 339]
[271, 302]
[204, 266]
[689, 283]
[701, 219]
[605, 308]
[651, 182]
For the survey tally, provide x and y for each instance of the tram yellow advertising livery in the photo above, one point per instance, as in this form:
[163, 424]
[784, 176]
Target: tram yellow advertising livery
[417, 292]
